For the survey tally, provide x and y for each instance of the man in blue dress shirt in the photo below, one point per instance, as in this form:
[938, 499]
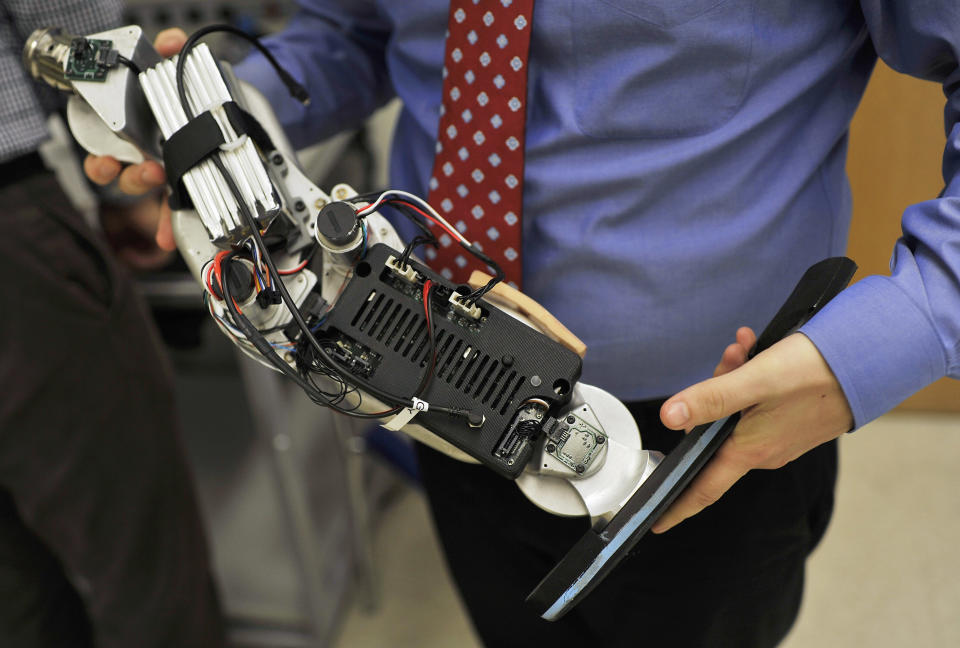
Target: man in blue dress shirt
[684, 165]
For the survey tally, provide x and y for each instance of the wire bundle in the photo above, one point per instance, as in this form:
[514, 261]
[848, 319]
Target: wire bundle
[312, 355]
[412, 206]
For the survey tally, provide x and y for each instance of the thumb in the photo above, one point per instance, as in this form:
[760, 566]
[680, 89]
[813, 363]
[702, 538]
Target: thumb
[165, 239]
[713, 399]
[169, 41]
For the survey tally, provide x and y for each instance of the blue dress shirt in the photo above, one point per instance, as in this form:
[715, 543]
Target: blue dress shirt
[684, 166]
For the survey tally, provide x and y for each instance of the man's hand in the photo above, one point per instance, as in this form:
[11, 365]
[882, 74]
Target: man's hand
[139, 179]
[131, 231]
[790, 403]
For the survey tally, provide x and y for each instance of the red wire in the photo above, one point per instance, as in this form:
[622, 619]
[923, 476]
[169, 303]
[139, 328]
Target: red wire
[217, 270]
[455, 235]
[427, 285]
[294, 270]
[210, 285]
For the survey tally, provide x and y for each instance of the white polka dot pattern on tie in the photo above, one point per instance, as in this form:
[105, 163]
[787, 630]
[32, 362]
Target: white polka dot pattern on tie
[480, 173]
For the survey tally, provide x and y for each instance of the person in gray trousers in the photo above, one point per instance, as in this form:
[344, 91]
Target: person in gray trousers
[101, 542]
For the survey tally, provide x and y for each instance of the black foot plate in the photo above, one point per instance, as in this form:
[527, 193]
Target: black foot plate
[600, 550]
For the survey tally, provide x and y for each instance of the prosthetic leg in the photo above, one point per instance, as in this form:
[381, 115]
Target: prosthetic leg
[321, 288]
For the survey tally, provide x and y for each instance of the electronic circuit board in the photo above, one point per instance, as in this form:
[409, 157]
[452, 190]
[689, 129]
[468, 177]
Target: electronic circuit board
[90, 59]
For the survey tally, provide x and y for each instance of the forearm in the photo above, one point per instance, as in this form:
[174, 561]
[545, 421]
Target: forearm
[337, 50]
[887, 337]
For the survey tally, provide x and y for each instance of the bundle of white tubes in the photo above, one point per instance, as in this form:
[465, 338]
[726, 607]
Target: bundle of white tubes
[206, 90]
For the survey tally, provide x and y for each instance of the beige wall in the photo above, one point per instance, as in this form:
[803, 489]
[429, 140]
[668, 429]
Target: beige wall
[896, 145]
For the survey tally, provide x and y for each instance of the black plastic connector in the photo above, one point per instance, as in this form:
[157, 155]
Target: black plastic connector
[269, 297]
[313, 307]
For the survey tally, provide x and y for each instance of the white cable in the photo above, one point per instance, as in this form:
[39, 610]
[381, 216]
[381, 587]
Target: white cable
[199, 75]
[419, 201]
[199, 100]
[205, 171]
[206, 90]
[218, 88]
[205, 201]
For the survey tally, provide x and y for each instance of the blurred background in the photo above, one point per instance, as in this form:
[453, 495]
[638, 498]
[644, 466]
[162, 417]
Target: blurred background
[320, 536]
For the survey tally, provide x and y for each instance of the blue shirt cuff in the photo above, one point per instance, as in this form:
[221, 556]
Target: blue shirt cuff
[880, 346]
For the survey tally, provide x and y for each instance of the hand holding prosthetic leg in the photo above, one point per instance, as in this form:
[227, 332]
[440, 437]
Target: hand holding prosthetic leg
[321, 288]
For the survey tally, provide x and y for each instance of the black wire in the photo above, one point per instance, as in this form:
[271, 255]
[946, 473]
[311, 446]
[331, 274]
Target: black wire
[255, 337]
[389, 399]
[296, 90]
[261, 344]
[473, 297]
[408, 250]
[412, 215]
[499, 276]
[123, 60]
[252, 334]
[313, 250]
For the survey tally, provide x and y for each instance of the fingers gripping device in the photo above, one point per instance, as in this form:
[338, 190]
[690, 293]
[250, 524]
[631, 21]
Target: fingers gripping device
[321, 288]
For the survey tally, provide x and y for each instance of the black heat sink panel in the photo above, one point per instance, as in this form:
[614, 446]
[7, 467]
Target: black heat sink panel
[490, 366]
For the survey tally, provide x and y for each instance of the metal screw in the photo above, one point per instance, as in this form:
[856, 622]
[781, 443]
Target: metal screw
[581, 470]
[601, 439]
[551, 448]
[571, 420]
[299, 206]
[510, 462]
[536, 381]
[319, 203]
[277, 159]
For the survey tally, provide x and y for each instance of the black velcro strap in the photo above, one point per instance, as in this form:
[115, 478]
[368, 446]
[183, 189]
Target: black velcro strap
[244, 122]
[200, 137]
[197, 139]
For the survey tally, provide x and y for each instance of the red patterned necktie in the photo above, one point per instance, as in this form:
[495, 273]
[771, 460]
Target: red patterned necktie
[477, 180]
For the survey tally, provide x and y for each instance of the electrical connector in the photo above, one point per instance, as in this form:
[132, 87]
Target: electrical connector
[406, 272]
[457, 303]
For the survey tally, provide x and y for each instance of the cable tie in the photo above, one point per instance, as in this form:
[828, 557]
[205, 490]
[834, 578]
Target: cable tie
[403, 417]
[420, 405]
[235, 144]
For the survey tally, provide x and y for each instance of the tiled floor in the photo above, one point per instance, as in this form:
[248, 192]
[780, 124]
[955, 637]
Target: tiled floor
[886, 575]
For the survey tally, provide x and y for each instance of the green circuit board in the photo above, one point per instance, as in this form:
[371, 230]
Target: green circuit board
[90, 59]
